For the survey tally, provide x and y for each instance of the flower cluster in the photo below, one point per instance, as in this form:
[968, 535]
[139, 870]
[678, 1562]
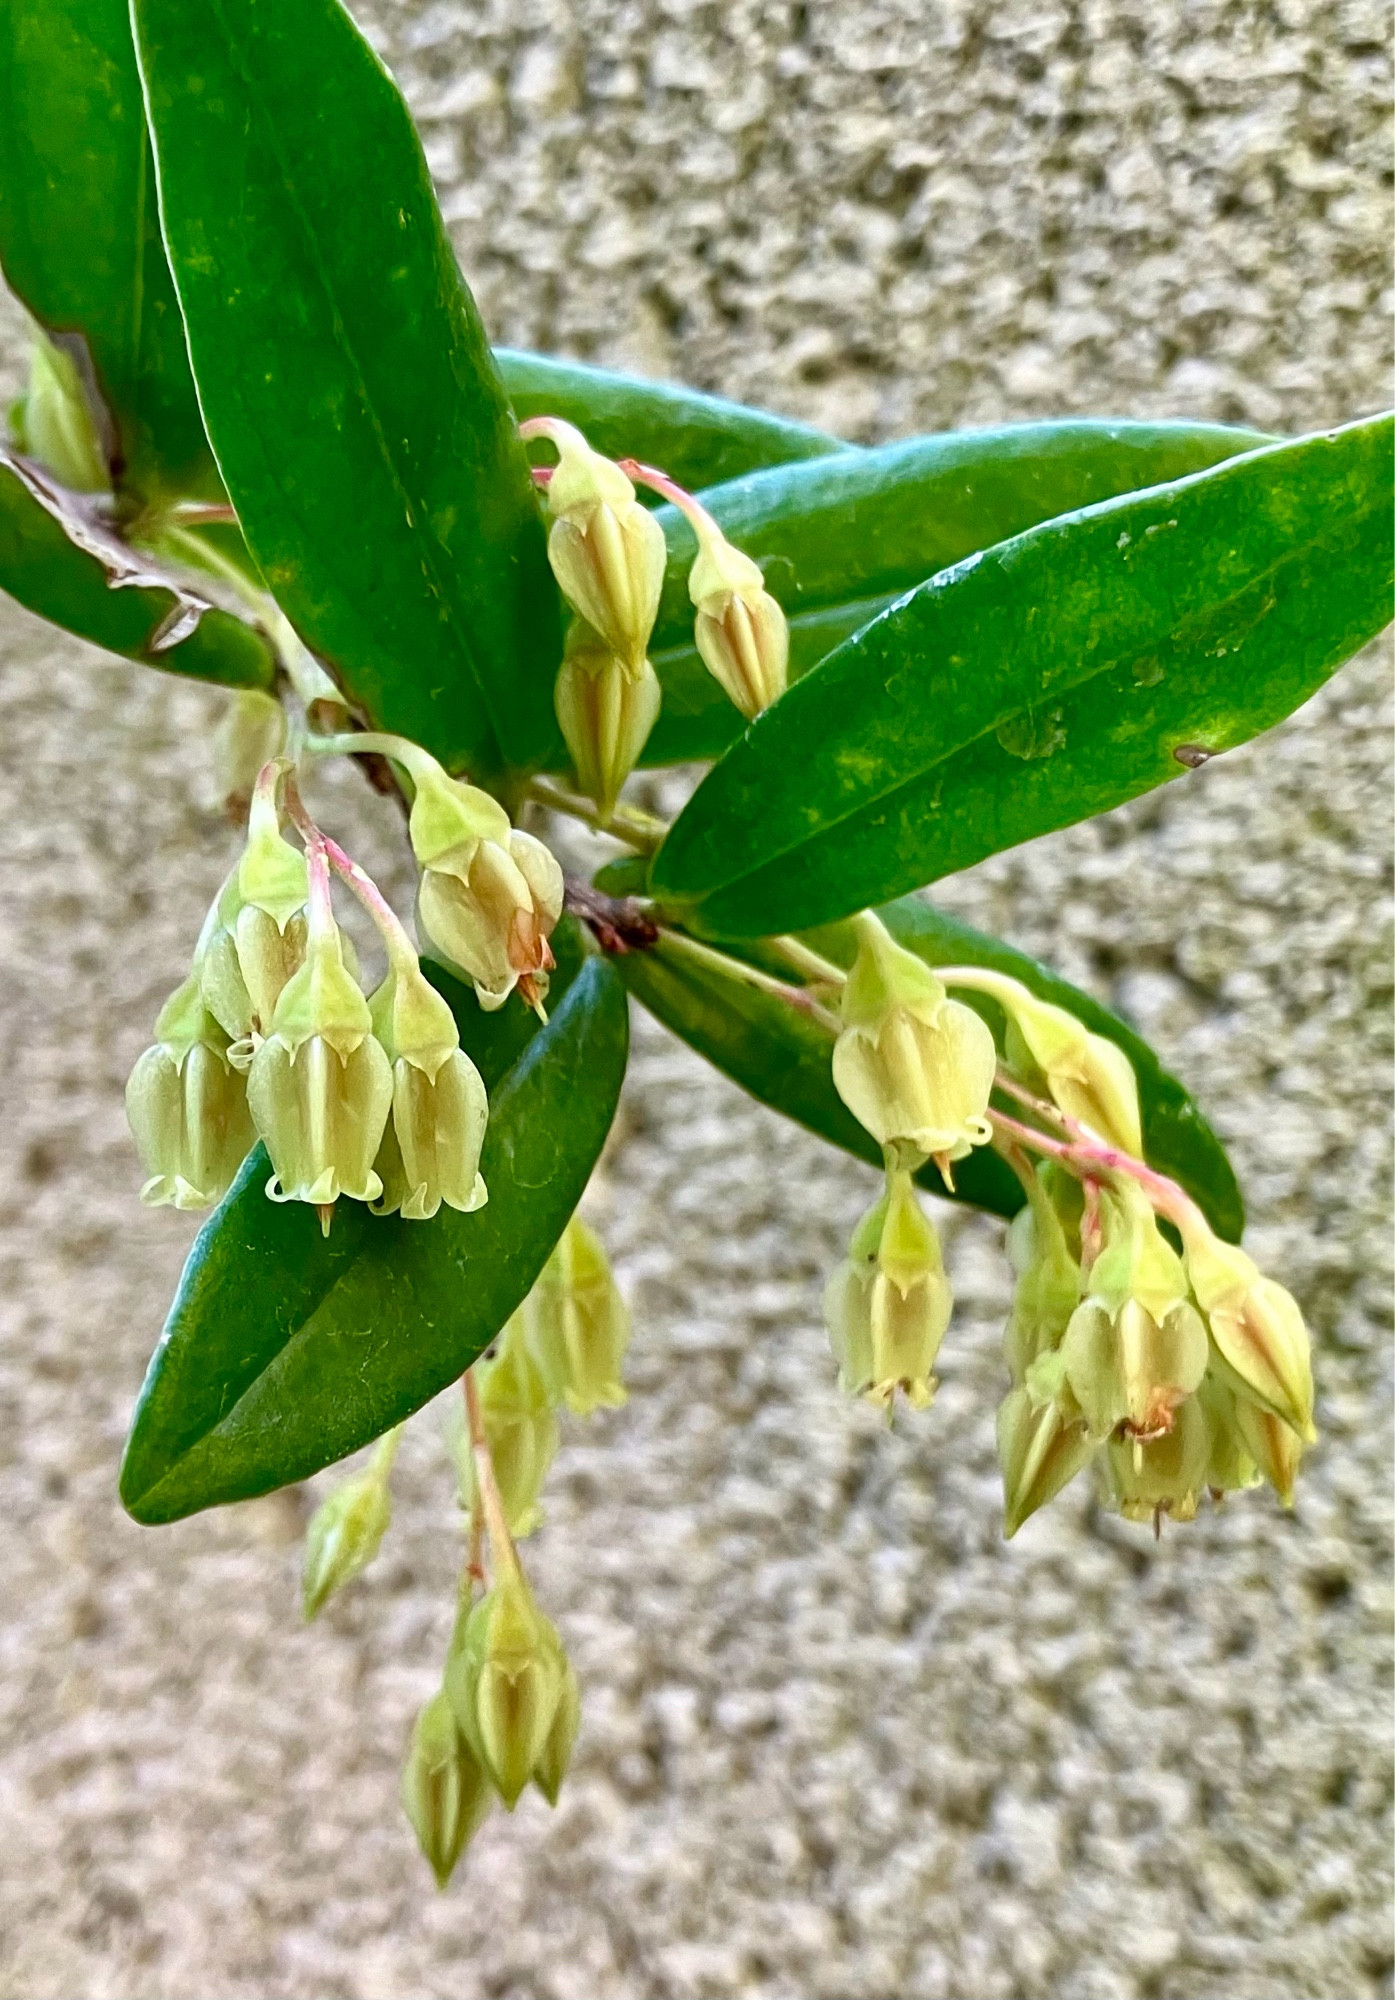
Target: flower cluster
[609, 556]
[1138, 1341]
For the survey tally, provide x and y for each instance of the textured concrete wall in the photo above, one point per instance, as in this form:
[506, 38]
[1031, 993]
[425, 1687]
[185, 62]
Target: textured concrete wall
[838, 1740]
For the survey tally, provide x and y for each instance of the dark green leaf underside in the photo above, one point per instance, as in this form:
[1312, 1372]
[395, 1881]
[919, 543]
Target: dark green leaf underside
[354, 406]
[1053, 677]
[284, 1351]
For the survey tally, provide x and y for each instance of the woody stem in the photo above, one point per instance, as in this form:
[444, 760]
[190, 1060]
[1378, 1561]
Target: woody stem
[501, 1548]
[751, 975]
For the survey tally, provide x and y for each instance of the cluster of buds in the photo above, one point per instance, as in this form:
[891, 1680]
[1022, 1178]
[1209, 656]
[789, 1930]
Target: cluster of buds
[608, 555]
[1171, 1363]
[358, 1095]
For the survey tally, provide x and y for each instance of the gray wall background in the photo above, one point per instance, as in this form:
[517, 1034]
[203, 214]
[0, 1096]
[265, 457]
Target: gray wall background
[839, 1739]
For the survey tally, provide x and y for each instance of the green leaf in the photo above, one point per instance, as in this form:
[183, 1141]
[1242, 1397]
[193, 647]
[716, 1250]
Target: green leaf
[56, 559]
[696, 439]
[286, 1350]
[357, 414]
[871, 524]
[80, 237]
[783, 1059]
[1050, 678]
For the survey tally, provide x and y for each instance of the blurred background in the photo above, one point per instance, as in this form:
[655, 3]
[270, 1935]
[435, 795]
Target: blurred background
[839, 1739]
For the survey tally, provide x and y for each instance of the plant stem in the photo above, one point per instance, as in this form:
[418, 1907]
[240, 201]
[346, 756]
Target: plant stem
[637, 828]
[798, 997]
[384, 1452]
[374, 743]
[501, 1548]
[821, 970]
[402, 953]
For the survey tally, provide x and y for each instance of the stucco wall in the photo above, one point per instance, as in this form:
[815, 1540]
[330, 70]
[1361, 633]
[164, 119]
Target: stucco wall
[839, 1739]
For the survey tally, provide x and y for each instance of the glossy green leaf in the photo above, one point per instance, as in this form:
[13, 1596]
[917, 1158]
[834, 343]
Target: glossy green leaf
[784, 1060]
[58, 561]
[871, 524]
[1052, 677]
[357, 414]
[80, 237]
[285, 1350]
[697, 439]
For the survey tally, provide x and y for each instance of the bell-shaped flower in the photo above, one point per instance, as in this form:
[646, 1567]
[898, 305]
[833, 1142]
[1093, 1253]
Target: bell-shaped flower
[495, 921]
[1041, 1447]
[888, 1303]
[740, 631]
[576, 1325]
[272, 874]
[913, 1066]
[1135, 1348]
[445, 1792]
[320, 1084]
[606, 711]
[347, 1528]
[607, 552]
[1088, 1076]
[1256, 1325]
[1164, 1475]
[431, 1148]
[187, 1107]
[507, 1680]
[450, 818]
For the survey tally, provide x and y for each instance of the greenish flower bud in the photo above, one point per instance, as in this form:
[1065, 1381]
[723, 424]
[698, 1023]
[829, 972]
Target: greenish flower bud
[1135, 1349]
[1273, 1444]
[606, 712]
[439, 1106]
[1049, 1281]
[607, 552]
[1231, 1466]
[555, 1761]
[914, 1067]
[887, 1305]
[1089, 1077]
[576, 1325]
[347, 1528]
[449, 820]
[251, 731]
[740, 631]
[272, 875]
[507, 1682]
[1161, 1475]
[59, 430]
[187, 1107]
[1040, 1449]
[495, 922]
[1256, 1326]
[445, 1793]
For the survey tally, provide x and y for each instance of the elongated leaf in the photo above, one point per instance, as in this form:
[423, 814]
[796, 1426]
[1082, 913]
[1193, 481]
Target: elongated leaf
[57, 560]
[784, 1059]
[697, 439]
[1052, 677]
[355, 409]
[871, 524]
[80, 237]
[284, 1350]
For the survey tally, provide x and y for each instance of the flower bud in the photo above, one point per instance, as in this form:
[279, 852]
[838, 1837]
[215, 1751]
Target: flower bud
[1230, 1464]
[555, 1761]
[187, 1107]
[320, 1085]
[521, 1427]
[58, 425]
[496, 920]
[1089, 1077]
[1049, 1281]
[607, 552]
[1256, 1326]
[1273, 1444]
[346, 1530]
[250, 732]
[740, 631]
[576, 1325]
[888, 1303]
[445, 1793]
[1162, 1475]
[1040, 1449]
[439, 1106]
[606, 713]
[914, 1067]
[507, 1682]
[1135, 1349]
